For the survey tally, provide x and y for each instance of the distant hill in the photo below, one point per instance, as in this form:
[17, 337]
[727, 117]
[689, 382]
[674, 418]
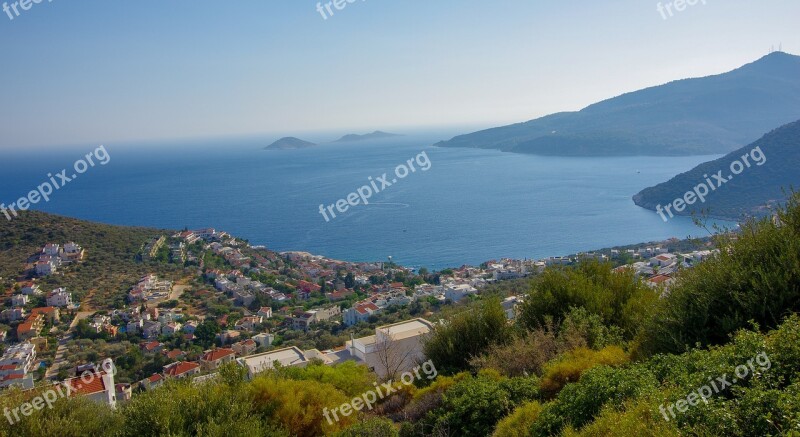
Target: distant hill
[709, 115]
[373, 136]
[288, 143]
[745, 194]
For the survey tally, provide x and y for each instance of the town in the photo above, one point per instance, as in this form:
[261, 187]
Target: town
[227, 301]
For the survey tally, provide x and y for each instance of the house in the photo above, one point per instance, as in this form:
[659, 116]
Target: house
[248, 323]
[152, 347]
[51, 314]
[393, 349]
[151, 329]
[212, 359]
[16, 363]
[171, 328]
[73, 252]
[59, 298]
[124, 392]
[51, 249]
[134, 326]
[303, 321]
[287, 357]
[45, 268]
[228, 336]
[97, 386]
[152, 382]
[455, 293]
[30, 289]
[264, 339]
[360, 313]
[31, 327]
[181, 369]
[510, 305]
[190, 326]
[12, 314]
[19, 300]
[663, 260]
[175, 354]
[245, 347]
[265, 312]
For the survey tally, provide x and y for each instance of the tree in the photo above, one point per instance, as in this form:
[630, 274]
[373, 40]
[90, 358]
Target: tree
[468, 334]
[393, 356]
[206, 332]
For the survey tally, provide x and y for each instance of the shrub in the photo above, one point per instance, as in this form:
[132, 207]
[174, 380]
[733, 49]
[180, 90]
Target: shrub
[468, 334]
[374, 427]
[473, 406]
[298, 405]
[572, 365]
[578, 404]
[618, 298]
[519, 422]
[755, 277]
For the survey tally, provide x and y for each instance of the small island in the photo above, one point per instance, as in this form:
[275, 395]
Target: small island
[289, 143]
[351, 138]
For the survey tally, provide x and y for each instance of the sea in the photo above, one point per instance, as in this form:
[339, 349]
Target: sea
[467, 207]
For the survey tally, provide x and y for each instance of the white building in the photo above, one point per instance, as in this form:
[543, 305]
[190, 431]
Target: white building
[16, 363]
[457, 292]
[360, 313]
[59, 298]
[45, 268]
[19, 300]
[393, 349]
[31, 289]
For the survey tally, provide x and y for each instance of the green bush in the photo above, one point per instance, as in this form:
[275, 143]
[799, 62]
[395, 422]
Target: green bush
[755, 278]
[618, 298]
[473, 406]
[468, 334]
[519, 422]
[569, 367]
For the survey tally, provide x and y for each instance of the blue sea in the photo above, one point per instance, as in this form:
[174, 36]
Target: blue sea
[470, 206]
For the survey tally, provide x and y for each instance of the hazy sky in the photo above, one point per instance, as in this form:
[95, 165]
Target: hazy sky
[97, 71]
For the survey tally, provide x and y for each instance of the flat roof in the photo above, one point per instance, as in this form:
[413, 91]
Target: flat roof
[407, 329]
[289, 356]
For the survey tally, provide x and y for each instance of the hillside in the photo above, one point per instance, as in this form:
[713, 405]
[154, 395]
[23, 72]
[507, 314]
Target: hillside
[709, 115]
[289, 143]
[746, 194]
[110, 266]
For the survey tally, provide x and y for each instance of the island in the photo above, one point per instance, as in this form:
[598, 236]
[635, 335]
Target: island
[289, 143]
[377, 135]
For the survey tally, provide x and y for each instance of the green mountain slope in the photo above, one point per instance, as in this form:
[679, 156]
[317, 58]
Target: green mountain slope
[709, 115]
[746, 194]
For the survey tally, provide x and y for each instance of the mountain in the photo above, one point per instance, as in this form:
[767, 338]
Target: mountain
[708, 115]
[746, 194]
[373, 136]
[289, 143]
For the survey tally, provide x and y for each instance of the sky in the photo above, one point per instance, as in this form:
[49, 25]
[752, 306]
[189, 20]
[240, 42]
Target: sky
[100, 71]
